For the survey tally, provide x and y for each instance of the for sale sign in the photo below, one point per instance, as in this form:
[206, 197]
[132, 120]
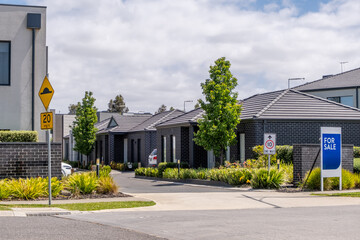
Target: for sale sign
[269, 143]
[330, 153]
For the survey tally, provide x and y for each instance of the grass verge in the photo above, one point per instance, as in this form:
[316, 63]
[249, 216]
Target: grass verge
[349, 194]
[83, 206]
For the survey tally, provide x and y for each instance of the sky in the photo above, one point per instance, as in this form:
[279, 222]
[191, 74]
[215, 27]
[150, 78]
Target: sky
[155, 52]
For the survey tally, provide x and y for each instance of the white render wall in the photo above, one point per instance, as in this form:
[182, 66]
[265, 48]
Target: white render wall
[15, 100]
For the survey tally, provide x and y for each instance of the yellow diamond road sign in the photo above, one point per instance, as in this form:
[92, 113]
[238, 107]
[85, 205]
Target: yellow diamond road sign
[46, 93]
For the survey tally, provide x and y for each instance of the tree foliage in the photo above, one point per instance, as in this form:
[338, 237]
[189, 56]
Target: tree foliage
[84, 130]
[222, 111]
[161, 109]
[117, 105]
[73, 108]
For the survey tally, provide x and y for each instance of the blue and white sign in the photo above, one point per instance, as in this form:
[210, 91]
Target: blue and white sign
[330, 153]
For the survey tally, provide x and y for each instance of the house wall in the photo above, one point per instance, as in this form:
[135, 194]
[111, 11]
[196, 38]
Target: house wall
[134, 144]
[167, 132]
[15, 100]
[337, 93]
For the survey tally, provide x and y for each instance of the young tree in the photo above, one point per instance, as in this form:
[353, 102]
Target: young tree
[161, 109]
[197, 105]
[118, 105]
[222, 111]
[73, 108]
[83, 129]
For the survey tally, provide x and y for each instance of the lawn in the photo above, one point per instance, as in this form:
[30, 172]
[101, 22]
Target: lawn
[83, 206]
[349, 194]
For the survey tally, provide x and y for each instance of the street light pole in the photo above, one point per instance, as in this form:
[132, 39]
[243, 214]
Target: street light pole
[186, 102]
[293, 79]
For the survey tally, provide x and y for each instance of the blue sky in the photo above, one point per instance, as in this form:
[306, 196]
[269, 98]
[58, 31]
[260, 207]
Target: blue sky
[157, 52]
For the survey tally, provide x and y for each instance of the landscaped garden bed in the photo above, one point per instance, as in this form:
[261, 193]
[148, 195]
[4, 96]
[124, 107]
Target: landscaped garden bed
[75, 186]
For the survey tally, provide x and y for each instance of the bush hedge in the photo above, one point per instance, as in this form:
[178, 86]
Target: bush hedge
[356, 152]
[349, 181]
[283, 152]
[18, 136]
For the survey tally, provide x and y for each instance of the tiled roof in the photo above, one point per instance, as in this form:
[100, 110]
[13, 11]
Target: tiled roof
[184, 119]
[150, 123]
[292, 104]
[343, 80]
[125, 123]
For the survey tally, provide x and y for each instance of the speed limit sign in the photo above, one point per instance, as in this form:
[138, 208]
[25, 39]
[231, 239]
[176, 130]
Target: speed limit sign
[270, 143]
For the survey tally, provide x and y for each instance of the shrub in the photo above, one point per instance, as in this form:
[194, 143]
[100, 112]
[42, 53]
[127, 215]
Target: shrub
[288, 171]
[56, 186]
[29, 188]
[18, 136]
[314, 183]
[348, 180]
[4, 189]
[357, 165]
[81, 183]
[161, 169]
[106, 185]
[357, 180]
[187, 173]
[202, 173]
[140, 171]
[120, 166]
[262, 179]
[105, 171]
[285, 153]
[356, 152]
[170, 173]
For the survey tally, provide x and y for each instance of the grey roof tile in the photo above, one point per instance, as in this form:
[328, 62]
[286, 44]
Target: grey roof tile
[342, 80]
[184, 119]
[125, 123]
[292, 104]
[150, 123]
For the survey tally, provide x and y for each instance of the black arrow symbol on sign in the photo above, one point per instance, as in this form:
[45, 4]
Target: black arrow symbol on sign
[269, 137]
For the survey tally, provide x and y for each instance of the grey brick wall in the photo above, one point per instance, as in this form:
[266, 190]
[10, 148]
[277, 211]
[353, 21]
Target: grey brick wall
[23, 160]
[304, 156]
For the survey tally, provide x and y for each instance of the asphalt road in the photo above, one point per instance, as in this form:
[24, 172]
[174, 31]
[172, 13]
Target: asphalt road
[54, 228]
[129, 184]
[271, 223]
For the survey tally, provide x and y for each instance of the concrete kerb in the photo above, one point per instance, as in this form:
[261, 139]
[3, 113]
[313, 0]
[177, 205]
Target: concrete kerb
[52, 211]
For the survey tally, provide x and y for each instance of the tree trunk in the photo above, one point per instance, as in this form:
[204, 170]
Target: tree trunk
[221, 158]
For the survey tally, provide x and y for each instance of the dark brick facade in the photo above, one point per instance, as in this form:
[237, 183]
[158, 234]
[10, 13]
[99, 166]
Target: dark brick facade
[292, 132]
[304, 156]
[24, 160]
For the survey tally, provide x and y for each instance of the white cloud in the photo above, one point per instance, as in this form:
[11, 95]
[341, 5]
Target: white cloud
[159, 51]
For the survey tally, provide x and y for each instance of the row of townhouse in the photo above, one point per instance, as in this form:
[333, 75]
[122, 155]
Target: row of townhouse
[295, 116]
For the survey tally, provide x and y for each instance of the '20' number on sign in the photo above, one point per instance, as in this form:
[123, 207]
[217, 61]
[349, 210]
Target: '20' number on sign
[46, 118]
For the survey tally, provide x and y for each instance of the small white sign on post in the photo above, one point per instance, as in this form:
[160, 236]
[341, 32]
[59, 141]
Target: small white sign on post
[269, 143]
[331, 154]
[269, 146]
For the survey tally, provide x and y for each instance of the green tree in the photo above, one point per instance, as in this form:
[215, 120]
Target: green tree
[161, 109]
[197, 105]
[171, 109]
[222, 111]
[84, 130]
[118, 105]
[73, 108]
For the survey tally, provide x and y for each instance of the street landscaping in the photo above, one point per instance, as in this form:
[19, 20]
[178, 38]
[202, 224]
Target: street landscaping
[254, 173]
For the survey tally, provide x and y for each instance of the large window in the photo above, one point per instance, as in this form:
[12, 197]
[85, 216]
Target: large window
[4, 63]
[346, 100]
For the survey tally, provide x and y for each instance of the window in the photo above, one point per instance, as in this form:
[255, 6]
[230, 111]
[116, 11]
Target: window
[173, 148]
[242, 147]
[163, 146]
[346, 100]
[4, 63]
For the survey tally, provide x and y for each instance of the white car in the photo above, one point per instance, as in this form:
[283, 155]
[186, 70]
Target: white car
[66, 169]
[153, 158]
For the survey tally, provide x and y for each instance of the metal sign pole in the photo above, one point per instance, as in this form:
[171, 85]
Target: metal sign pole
[49, 164]
[269, 164]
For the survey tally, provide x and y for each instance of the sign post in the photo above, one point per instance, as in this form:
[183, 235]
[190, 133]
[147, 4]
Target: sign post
[46, 121]
[331, 156]
[269, 146]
